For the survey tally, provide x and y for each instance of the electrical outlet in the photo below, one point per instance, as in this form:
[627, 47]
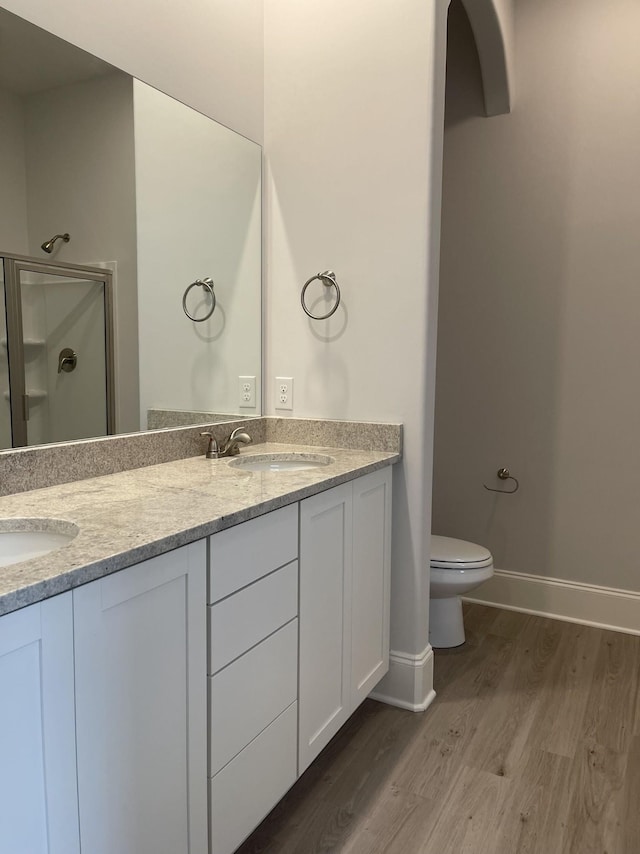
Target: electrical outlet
[247, 392]
[284, 392]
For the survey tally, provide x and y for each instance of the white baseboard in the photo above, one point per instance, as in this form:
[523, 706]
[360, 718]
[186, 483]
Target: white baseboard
[590, 604]
[409, 682]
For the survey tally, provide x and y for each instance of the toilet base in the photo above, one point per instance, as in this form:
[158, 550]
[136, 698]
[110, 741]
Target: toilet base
[446, 625]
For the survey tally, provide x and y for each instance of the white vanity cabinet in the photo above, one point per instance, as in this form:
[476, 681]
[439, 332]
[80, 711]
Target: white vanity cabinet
[38, 794]
[166, 708]
[345, 556]
[253, 672]
[370, 582]
[271, 712]
[140, 663]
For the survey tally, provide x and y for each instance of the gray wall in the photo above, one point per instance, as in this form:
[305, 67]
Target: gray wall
[539, 318]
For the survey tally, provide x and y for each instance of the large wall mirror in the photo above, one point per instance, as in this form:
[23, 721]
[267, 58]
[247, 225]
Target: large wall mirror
[116, 201]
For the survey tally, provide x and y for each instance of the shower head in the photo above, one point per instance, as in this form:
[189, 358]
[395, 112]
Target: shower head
[48, 244]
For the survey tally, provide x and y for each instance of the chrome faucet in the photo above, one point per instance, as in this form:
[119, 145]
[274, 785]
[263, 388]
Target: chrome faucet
[229, 448]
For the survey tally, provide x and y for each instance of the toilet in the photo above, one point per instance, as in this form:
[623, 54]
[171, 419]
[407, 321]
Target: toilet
[456, 568]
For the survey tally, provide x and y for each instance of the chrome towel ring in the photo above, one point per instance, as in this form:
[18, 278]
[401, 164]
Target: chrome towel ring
[328, 279]
[207, 285]
[504, 474]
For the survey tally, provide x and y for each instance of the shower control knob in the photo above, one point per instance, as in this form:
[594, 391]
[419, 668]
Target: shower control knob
[67, 360]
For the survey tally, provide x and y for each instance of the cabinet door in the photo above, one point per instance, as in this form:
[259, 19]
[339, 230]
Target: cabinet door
[38, 794]
[140, 646]
[325, 605]
[371, 579]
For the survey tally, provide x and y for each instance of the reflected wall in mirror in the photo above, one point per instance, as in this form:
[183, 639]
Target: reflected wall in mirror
[151, 191]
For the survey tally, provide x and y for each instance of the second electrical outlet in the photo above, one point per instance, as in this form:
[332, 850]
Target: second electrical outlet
[284, 392]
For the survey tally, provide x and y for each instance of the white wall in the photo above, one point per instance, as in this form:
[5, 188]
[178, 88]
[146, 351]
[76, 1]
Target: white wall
[80, 179]
[34, 325]
[77, 400]
[13, 178]
[13, 223]
[64, 313]
[198, 206]
[538, 347]
[207, 53]
[352, 169]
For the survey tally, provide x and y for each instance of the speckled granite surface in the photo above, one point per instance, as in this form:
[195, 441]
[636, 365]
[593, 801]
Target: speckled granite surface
[158, 419]
[365, 435]
[134, 515]
[24, 469]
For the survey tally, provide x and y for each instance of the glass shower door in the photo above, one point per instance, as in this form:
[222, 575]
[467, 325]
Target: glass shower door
[60, 352]
[5, 397]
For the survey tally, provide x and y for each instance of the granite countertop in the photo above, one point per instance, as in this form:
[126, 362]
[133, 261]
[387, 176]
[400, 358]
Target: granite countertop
[128, 517]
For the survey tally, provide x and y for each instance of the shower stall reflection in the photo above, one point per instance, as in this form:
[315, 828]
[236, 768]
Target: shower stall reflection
[56, 356]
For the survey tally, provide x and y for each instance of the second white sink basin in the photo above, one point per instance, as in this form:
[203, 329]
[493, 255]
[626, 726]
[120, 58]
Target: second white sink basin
[280, 462]
[24, 539]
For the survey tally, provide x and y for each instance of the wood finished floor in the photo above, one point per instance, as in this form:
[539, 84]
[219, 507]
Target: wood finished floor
[532, 746]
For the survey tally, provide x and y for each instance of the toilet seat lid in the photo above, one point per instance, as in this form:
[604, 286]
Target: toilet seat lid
[448, 552]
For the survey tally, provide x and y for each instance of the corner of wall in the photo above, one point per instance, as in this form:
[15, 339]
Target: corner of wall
[409, 682]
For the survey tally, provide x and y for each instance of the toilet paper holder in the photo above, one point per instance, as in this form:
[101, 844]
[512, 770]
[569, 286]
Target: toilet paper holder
[504, 474]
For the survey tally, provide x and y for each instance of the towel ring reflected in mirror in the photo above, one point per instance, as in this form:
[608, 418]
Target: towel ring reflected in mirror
[206, 285]
[328, 279]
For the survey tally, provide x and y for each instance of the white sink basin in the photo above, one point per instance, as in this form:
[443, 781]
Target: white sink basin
[280, 462]
[23, 539]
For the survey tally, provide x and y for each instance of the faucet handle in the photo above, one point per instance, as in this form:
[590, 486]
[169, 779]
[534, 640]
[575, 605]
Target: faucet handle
[212, 448]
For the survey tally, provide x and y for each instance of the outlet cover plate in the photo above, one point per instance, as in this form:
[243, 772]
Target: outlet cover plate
[247, 392]
[284, 393]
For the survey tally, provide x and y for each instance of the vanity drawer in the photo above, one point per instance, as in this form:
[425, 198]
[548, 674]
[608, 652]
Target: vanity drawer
[252, 784]
[250, 693]
[241, 621]
[247, 552]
